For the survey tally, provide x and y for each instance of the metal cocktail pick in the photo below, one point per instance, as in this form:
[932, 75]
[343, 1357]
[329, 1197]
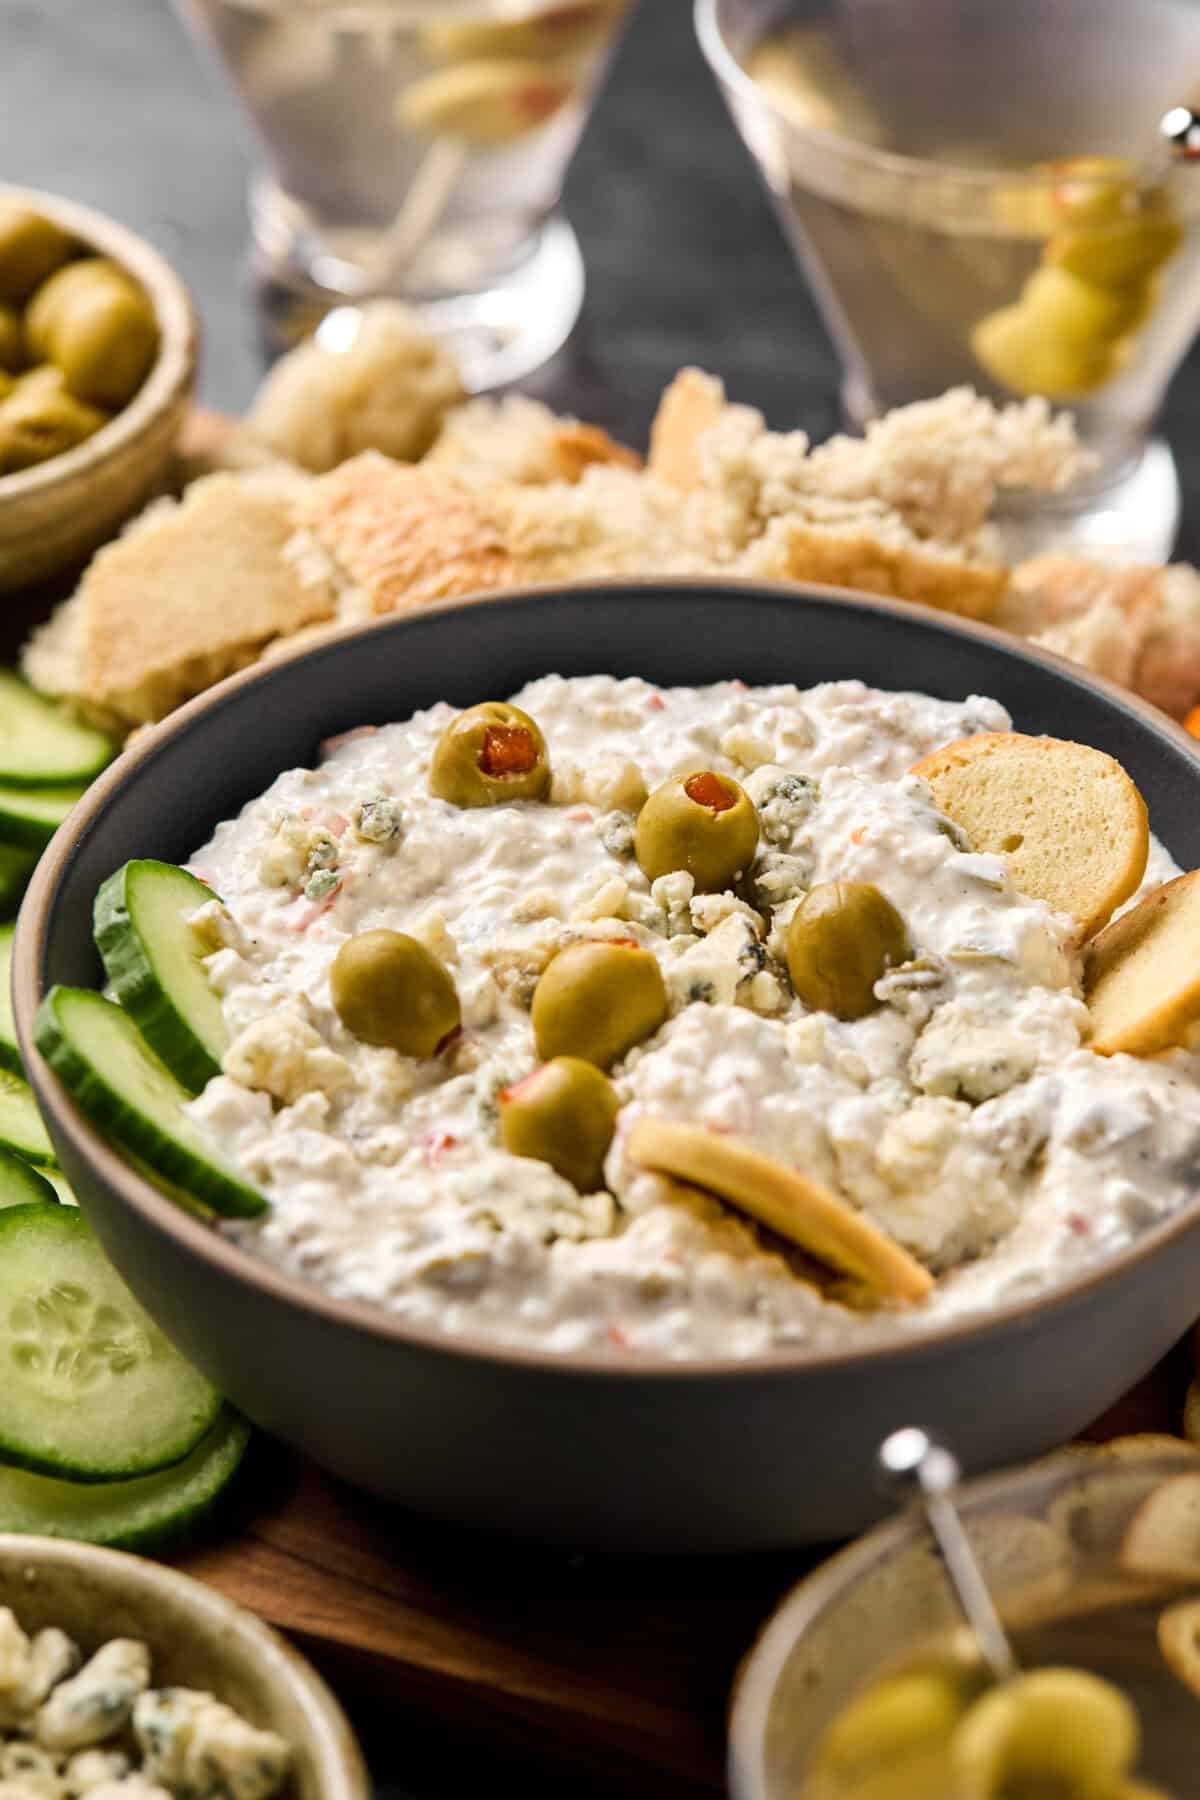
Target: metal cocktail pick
[915, 1467]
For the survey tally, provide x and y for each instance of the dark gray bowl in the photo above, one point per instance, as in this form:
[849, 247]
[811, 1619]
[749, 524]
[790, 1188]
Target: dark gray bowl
[715, 1455]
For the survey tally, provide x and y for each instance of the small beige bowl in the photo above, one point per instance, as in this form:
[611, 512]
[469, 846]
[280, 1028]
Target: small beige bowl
[196, 1639]
[54, 515]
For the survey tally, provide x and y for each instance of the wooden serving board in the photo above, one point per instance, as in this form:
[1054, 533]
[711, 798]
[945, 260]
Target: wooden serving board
[618, 1666]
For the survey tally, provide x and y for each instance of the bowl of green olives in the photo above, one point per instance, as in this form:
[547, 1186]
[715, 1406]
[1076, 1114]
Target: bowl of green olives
[866, 1684]
[97, 360]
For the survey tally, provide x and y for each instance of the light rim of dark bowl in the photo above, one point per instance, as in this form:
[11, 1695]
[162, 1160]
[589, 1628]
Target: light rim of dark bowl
[914, 1345]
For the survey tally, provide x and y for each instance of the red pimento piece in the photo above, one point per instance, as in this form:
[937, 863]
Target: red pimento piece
[581, 816]
[656, 703]
[739, 684]
[434, 1146]
[507, 750]
[518, 1087]
[709, 790]
[617, 1335]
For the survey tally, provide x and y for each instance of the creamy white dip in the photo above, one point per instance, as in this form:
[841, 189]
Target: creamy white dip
[963, 1116]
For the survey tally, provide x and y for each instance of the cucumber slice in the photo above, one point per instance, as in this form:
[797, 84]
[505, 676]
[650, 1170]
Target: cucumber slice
[153, 959]
[147, 1513]
[93, 1390]
[39, 745]
[102, 1060]
[10, 1055]
[62, 1187]
[16, 866]
[29, 817]
[21, 1127]
[22, 1185]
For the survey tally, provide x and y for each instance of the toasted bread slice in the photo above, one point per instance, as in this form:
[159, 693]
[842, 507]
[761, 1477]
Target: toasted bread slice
[1142, 978]
[516, 439]
[802, 1211]
[1069, 820]
[407, 536]
[1163, 1536]
[880, 558]
[190, 596]
[690, 406]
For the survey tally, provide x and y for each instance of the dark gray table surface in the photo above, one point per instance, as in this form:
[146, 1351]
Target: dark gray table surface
[105, 101]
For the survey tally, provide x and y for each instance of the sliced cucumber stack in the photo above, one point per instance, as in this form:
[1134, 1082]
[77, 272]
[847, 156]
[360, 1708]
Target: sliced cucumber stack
[22, 1185]
[40, 746]
[148, 1513]
[153, 960]
[21, 1127]
[16, 866]
[102, 1060]
[29, 817]
[93, 1390]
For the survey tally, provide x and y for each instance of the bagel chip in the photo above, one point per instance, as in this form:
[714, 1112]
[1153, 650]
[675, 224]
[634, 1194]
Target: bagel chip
[1142, 976]
[800, 1210]
[1070, 823]
[1163, 1536]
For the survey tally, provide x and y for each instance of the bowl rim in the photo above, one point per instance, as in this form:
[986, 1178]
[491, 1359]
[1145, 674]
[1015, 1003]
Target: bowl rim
[172, 372]
[338, 1761]
[360, 1317]
[758, 1672]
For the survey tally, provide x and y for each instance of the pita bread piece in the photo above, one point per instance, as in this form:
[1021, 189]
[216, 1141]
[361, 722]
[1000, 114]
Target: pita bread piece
[172, 607]
[800, 1210]
[1142, 975]
[1068, 819]
[691, 405]
[407, 536]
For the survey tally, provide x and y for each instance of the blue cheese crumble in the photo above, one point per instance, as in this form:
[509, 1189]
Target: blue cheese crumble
[70, 1728]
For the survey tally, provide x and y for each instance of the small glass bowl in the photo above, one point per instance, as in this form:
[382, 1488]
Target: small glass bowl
[1048, 1539]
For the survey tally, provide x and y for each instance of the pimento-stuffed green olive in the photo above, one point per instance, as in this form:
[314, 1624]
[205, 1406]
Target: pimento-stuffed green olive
[563, 1114]
[490, 754]
[596, 1000]
[702, 823]
[843, 936]
[389, 989]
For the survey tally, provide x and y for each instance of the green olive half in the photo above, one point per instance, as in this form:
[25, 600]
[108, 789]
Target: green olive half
[31, 248]
[597, 1000]
[389, 989]
[40, 419]
[489, 754]
[843, 936]
[563, 1114]
[703, 823]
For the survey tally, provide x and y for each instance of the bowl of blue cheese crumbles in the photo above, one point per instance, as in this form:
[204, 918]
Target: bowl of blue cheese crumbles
[124, 1680]
[615, 1025]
